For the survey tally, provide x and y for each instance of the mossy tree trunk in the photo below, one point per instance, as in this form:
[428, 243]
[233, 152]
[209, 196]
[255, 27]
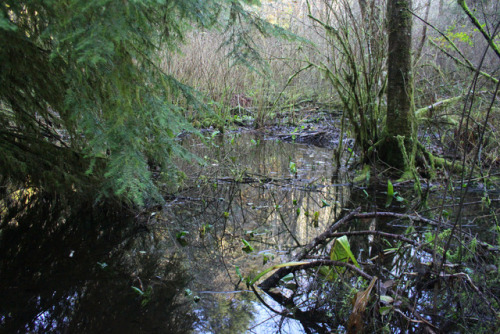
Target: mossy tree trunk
[398, 147]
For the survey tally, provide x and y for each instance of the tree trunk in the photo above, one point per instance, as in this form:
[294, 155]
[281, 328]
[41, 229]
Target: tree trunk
[398, 150]
[441, 6]
[418, 54]
[370, 14]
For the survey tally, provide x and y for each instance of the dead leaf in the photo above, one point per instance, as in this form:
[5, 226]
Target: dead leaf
[355, 323]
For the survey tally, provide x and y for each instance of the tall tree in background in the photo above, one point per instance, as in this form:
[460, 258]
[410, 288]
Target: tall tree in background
[371, 15]
[398, 150]
[83, 102]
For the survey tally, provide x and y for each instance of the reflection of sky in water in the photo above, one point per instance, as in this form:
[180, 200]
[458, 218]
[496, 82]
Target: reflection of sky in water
[45, 321]
[265, 321]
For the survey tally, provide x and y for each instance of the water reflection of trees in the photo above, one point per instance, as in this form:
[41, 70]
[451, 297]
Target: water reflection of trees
[69, 266]
[409, 294]
[266, 205]
[227, 313]
[248, 193]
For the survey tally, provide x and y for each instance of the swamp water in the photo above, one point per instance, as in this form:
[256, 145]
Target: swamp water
[182, 267]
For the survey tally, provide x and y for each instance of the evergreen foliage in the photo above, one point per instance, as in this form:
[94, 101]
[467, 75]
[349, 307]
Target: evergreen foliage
[83, 102]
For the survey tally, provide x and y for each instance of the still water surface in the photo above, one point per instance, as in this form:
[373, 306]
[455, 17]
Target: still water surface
[71, 267]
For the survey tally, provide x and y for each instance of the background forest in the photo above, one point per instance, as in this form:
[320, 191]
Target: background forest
[96, 94]
[104, 106]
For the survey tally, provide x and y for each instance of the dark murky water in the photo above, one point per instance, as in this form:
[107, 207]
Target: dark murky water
[87, 269]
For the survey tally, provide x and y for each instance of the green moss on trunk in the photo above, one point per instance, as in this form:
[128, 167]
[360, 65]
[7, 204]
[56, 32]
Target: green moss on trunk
[400, 108]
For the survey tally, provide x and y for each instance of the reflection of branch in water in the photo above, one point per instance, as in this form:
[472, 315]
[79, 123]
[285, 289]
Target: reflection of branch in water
[316, 316]
[304, 184]
[309, 318]
[273, 280]
[284, 221]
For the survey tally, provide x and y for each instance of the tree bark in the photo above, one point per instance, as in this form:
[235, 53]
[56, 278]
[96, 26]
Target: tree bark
[400, 110]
